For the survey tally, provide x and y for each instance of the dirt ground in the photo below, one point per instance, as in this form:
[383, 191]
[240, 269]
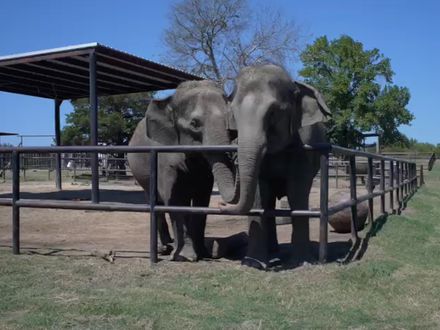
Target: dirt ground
[73, 232]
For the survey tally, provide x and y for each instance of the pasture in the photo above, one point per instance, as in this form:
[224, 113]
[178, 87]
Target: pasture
[59, 282]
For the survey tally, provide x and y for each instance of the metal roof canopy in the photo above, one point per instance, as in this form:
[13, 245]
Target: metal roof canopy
[88, 70]
[64, 73]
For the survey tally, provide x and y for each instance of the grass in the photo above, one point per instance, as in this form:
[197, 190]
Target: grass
[394, 286]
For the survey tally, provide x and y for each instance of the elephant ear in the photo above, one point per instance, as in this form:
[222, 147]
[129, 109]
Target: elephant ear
[312, 104]
[160, 119]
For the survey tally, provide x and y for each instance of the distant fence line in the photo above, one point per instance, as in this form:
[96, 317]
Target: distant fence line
[77, 164]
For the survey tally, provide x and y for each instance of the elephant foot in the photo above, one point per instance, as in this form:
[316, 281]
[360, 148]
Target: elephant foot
[165, 249]
[304, 253]
[185, 254]
[204, 253]
[275, 261]
[254, 263]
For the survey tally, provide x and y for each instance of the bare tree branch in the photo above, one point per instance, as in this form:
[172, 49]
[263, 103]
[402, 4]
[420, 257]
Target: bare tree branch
[215, 38]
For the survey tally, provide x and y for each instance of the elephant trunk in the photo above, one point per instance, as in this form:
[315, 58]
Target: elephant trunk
[224, 176]
[251, 151]
[222, 165]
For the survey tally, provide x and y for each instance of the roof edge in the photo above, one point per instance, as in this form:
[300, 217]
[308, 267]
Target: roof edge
[50, 51]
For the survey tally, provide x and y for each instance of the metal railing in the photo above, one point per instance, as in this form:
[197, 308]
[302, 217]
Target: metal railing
[402, 181]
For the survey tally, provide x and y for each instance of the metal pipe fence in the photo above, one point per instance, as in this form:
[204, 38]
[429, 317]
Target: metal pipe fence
[402, 181]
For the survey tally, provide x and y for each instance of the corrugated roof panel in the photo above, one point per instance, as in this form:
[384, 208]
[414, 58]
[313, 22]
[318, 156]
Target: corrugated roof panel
[63, 73]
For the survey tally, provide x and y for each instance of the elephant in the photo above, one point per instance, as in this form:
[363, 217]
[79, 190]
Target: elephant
[275, 117]
[195, 114]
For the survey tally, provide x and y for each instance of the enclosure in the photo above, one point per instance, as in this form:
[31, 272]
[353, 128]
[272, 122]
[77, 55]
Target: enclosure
[396, 177]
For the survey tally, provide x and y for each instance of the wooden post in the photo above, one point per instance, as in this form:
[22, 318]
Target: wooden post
[382, 186]
[370, 190]
[353, 196]
[391, 183]
[398, 196]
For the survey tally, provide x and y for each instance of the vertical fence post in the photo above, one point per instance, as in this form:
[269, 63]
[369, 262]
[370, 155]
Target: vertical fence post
[353, 197]
[370, 191]
[415, 177]
[391, 178]
[382, 186]
[422, 179]
[153, 200]
[398, 187]
[406, 180]
[337, 172]
[323, 224]
[15, 198]
[402, 196]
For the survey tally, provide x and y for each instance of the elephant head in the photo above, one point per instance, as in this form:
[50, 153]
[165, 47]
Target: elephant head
[196, 115]
[270, 111]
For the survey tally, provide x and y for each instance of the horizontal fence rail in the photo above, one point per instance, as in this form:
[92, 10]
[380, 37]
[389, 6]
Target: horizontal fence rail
[402, 183]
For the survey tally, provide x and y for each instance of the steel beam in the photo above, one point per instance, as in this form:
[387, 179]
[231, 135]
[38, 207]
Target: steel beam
[58, 180]
[93, 99]
[15, 198]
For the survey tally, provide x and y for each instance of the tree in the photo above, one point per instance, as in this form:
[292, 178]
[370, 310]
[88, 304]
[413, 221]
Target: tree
[215, 38]
[357, 85]
[117, 119]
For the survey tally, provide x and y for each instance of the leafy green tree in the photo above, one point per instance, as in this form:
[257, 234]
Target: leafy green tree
[357, 85]
[117, 119]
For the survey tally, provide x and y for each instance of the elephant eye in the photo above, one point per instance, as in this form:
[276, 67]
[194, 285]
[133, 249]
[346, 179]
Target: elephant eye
[195, 123]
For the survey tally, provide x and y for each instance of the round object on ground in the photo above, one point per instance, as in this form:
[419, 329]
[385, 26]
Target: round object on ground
[341, 221]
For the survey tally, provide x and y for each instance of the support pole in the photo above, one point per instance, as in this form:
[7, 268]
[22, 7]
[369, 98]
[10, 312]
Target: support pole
[323, 224]
[422, 179]
[93, 99]
[406, 178]
[392, 186]
[15, 198]
[153, 199]
[58, 180]
[382, 186]
[370, 190]
[402, 197]
[353, 197]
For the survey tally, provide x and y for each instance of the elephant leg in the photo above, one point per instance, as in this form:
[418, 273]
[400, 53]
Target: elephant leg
[298, 190]
[164, 235]
[262, 230]
[301, 228]
[198, 221]
[183, 245]
[165, 246]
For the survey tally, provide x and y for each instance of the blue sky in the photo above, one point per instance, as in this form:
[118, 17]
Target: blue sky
[408, 32]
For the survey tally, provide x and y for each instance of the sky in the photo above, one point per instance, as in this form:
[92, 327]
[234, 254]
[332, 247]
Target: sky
[407, 32]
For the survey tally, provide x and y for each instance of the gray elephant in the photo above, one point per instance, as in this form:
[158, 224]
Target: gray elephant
[274, 114]
[194, 115]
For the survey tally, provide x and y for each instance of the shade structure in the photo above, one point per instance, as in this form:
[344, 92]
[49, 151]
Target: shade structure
[84, 71]
[63, 73]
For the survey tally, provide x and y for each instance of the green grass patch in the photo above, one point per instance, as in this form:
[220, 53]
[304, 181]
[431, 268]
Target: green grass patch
[394, 286]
